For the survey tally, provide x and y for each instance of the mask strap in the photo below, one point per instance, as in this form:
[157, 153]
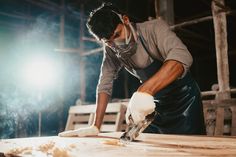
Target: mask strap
[133, 32]
[126, 36]
[127, 39]
[119, 15]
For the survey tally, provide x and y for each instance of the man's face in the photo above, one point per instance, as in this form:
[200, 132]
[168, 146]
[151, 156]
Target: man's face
[120, 35]
[122, 41]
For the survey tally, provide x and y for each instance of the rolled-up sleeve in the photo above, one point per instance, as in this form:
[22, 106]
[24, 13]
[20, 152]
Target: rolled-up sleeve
[109, 72]
[171, 47]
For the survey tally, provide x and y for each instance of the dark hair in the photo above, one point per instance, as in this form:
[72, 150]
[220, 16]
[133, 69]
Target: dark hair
[103, 21]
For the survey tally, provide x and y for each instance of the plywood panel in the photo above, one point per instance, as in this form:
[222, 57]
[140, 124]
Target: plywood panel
[146, 145]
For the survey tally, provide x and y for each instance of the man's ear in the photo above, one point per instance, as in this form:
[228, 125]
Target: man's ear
[125, 19]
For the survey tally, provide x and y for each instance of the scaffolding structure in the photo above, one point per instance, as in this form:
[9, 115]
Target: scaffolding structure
[220, 110]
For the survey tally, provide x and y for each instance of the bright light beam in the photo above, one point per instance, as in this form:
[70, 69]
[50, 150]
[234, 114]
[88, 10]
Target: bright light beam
[40, 73]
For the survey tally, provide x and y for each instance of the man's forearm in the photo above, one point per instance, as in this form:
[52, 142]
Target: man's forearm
[168, 73]
[102, 101]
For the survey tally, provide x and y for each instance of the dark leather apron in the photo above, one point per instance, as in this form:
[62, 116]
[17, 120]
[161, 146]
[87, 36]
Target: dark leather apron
[179, 104]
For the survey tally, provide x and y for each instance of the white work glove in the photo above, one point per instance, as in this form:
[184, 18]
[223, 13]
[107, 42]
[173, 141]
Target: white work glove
[140, 105]
[82, 132]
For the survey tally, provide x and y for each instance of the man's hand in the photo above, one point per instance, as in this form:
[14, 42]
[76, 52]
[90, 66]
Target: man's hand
[89, 131]
[140, 105]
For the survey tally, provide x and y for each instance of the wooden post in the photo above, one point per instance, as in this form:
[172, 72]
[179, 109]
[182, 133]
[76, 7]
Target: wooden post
[62, 31]
[61, 45]
[165, 10]
[81, 63]
[219, 20]
[157, 10]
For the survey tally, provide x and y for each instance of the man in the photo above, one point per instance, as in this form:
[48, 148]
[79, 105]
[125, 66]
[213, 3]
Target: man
[157, 57]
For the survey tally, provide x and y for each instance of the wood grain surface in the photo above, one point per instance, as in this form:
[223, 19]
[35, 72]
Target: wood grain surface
[107, 145]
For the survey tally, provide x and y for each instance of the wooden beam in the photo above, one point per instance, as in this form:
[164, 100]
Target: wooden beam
[33, 19]
[220, 26]
[198, 20]
[157, 10]
[91, 40]
[191, 22]
[62, 85]
[208, 93]
[23, 17]
[82, 62]
[93, 51]
[56, 9]
[67, 50]
[79, 50]
[219, 103]
[62, 31]
[53, 4]
[165, 10]
[53, 7]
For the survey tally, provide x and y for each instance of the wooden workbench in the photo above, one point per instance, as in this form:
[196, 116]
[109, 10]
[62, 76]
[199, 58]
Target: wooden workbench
[146, 145]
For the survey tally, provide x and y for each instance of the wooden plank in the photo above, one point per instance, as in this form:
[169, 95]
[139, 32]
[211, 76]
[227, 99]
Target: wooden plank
[111, 108]
[82, 109]
[147, 145]
[73, 122]
[233, 123]
[212, 105]
[114, 107]
[113, 118]
[110, 118]
[108, 128]
[79, 121]
[220, 27]
[219, 103]
[210, 93]
[69, 123]
[219, 129]
[77, 126]
[82, 118]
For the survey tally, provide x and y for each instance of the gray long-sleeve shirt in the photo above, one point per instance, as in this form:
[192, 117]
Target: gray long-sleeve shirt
[163, 45]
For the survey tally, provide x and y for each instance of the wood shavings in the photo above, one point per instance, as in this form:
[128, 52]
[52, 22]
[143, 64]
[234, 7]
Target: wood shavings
[9, 155]
[17, 151]
[60, 152]
[113, 142]
[72, 145]
[46, 147]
